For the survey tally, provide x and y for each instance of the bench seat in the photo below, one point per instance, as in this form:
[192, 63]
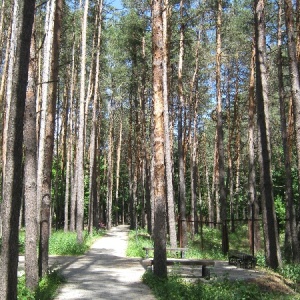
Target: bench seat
[189, 262]
[181, 250]
[241, 259]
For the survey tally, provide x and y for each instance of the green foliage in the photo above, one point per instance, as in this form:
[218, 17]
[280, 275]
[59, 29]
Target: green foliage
[22, 241]
[23, 292]
[48, 285]
[261, 259]
[291, 272]
[280, 211]
[137, 240]
[65, 243]
[177, 288]
[46, 289]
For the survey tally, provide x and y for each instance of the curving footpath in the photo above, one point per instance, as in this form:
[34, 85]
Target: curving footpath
[104, 272]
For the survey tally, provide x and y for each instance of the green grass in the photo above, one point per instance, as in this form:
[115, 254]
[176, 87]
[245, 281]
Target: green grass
[65, 243]
[210, 248]
[176, 288]
[137, 240]
[46, 289]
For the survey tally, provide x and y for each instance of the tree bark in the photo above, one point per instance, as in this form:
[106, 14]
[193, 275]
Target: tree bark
[110, 170]
[160, 266]
[253, 201]
[95, 120]
[220, 143]
[81, 130]
[168, 158]
[45, 222]
[182, 187]
[291, 243]
[295, 87]
[23, 15]
[30, 172]
[273, 254]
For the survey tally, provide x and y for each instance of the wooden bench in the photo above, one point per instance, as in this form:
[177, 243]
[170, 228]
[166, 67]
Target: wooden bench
[241, 259]
[189, 262]
[181, 250]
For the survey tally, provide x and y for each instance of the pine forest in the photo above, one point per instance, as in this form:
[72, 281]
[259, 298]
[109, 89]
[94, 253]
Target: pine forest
[168, 115]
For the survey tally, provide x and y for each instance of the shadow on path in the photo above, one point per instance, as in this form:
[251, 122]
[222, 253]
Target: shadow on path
[104, 272]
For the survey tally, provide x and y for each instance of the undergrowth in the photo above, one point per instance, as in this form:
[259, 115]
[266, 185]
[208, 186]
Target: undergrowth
[46, 289]
[62, 243]
[208, 246]
[176, 288]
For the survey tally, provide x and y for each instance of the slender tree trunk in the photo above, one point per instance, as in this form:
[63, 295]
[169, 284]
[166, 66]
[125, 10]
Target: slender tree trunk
[30, 172]
[295, 86]
[110, 170]
[182, 199]
[194, 140]
[119, 148]
[81, 126]
[45, 222]
[253, 202]
[168, 159]
[48, 43]
[273, 255]
[210, 206]
[72, 180]
[23, 16]
[225, 243]
[160, 266]
[93, 139]
[67, 190]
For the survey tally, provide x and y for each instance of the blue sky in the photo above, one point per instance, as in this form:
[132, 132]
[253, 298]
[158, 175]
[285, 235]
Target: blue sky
[116, 3]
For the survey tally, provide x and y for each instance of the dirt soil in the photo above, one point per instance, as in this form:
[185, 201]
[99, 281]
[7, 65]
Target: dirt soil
[273, 282]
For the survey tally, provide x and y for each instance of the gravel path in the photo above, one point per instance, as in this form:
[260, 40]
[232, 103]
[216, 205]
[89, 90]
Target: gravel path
[104, 272]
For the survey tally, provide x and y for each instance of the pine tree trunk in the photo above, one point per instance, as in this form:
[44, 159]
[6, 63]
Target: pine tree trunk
[81, 130]
[253, 202]
[94, 132]
[72, 180]
[23, 16]
[291, 229]
[110, 171]
[30, 171]
[273, 255]
[220, 146]
[119, 148]
[160, 266]
[168, 159]
[182, 187]
[194, 140]
[45, 222]
[210, 206]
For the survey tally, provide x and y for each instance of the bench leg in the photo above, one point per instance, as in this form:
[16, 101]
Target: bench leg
[205, 272]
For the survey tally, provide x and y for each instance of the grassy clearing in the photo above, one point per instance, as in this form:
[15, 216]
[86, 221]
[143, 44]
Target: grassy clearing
[273, 287]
